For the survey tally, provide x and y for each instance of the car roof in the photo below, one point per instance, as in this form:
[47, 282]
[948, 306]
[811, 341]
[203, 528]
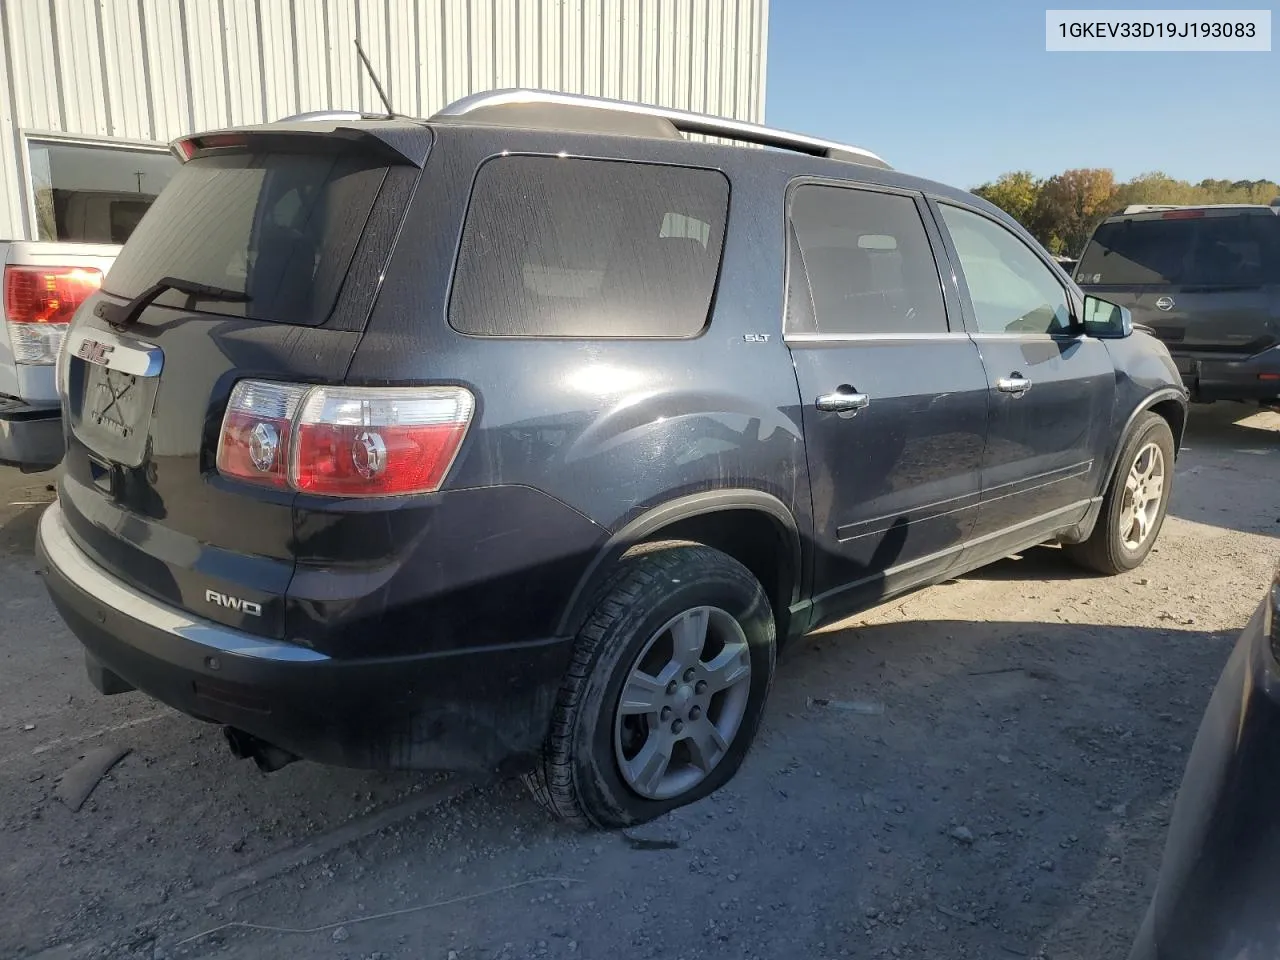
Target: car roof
[571, 116]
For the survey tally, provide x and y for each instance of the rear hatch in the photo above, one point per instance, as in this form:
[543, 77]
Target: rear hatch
[1206, 280]
[262, 259]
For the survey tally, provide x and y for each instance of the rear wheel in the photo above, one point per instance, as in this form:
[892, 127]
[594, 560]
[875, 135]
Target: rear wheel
[665, 691]
[1134, 506]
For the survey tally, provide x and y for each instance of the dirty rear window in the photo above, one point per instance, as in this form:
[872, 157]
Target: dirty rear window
[1215, 250]
[557, 247]
[279, 227]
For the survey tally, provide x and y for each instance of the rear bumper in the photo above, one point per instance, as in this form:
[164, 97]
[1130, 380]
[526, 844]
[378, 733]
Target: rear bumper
[484, 709]
[1254, 378]
[30, 436]
[1218, 886]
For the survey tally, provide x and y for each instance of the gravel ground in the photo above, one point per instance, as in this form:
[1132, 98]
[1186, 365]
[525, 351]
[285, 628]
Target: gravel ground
[1009, 800]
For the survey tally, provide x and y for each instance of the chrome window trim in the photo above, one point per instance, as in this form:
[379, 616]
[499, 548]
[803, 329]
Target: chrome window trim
[863, 337]
[1064, 337]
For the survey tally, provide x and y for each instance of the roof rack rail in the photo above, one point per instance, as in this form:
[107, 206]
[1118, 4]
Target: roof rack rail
[496, 103]
[313, 116]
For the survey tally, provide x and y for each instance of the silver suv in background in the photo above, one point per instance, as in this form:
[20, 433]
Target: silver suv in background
[1206, 281]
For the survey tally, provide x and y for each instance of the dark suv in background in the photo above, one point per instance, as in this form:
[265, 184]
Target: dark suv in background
[1206, 281]
[520, 438]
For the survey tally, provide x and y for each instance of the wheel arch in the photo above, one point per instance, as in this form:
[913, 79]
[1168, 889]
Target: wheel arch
[733, 521]
[1171, 404]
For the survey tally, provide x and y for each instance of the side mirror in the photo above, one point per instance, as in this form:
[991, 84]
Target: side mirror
[1105, 319]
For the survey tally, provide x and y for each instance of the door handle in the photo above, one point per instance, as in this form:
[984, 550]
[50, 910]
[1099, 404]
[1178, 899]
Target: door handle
[843, 401]
[1015, 383]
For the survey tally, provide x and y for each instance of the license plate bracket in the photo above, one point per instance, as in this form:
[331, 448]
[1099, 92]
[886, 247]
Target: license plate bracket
[111, 392]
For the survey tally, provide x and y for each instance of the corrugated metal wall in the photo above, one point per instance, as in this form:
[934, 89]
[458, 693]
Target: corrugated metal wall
[156, 69]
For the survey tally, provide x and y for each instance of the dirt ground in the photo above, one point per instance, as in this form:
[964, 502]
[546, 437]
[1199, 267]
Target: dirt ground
[1010, 800]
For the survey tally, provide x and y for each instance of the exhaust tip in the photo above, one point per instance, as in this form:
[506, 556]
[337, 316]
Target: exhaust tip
[245, 746]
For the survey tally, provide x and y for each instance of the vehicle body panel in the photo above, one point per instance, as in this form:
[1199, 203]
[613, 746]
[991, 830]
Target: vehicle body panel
[896, 485]
[1040, 467]
[1042, 446]
[474, 710]
[1216, 894]
[556, 414]
[167, 524]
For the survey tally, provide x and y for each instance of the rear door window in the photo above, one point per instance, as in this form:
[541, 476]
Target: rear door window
[558, 247]
[280, 228]
[868, 262]
[1239, 250]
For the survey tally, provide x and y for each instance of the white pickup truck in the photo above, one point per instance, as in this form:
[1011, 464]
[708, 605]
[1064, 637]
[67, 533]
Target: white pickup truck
[44, 282]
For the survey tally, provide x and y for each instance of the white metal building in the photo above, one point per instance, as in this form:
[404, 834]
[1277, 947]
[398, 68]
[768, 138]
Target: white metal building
[94, 89]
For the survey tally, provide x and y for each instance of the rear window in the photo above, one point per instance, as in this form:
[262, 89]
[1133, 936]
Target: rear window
[280, 228]
[1232, 250]
[556, 247]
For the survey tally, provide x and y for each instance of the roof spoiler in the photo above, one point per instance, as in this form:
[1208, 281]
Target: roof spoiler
[405, 142]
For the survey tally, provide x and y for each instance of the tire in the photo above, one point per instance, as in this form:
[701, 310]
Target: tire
[1108, 550]
[581, 778]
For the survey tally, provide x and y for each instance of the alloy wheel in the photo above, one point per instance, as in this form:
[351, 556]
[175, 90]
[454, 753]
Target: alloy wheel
[683, 703]
[1143, 494]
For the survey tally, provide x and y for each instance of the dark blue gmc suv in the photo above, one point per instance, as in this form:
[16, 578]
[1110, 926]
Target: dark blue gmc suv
[520, 438]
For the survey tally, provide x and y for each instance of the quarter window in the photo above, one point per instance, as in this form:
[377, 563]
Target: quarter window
[557, 247]
[1011, 288]
[868, 262]
[92, 193]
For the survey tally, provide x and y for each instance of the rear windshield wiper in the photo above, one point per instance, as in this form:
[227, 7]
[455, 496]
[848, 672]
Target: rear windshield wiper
[122, 316]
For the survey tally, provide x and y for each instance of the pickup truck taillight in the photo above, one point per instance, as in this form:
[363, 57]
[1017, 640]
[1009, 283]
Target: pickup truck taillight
[343, 441]
[39, 303]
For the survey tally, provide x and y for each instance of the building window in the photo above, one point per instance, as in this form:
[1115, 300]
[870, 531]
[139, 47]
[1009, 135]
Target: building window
[94, 193]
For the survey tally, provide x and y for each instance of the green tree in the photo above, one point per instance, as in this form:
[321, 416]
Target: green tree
[1062, 211]
[1070, 205]
[1157, 187]
[1014, 193]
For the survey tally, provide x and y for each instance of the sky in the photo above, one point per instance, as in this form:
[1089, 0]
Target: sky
[961, 92]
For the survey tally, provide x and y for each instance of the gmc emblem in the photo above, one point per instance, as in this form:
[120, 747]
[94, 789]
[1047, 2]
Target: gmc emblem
[229, 602]
[94, 352]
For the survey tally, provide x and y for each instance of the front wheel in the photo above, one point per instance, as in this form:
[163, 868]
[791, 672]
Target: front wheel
[1134, 506]
[665, 691]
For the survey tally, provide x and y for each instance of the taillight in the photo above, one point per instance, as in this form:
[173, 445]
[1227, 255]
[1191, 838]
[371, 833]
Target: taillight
[1182, 215]
[343, 441]
[39, 302]
[256, 431]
